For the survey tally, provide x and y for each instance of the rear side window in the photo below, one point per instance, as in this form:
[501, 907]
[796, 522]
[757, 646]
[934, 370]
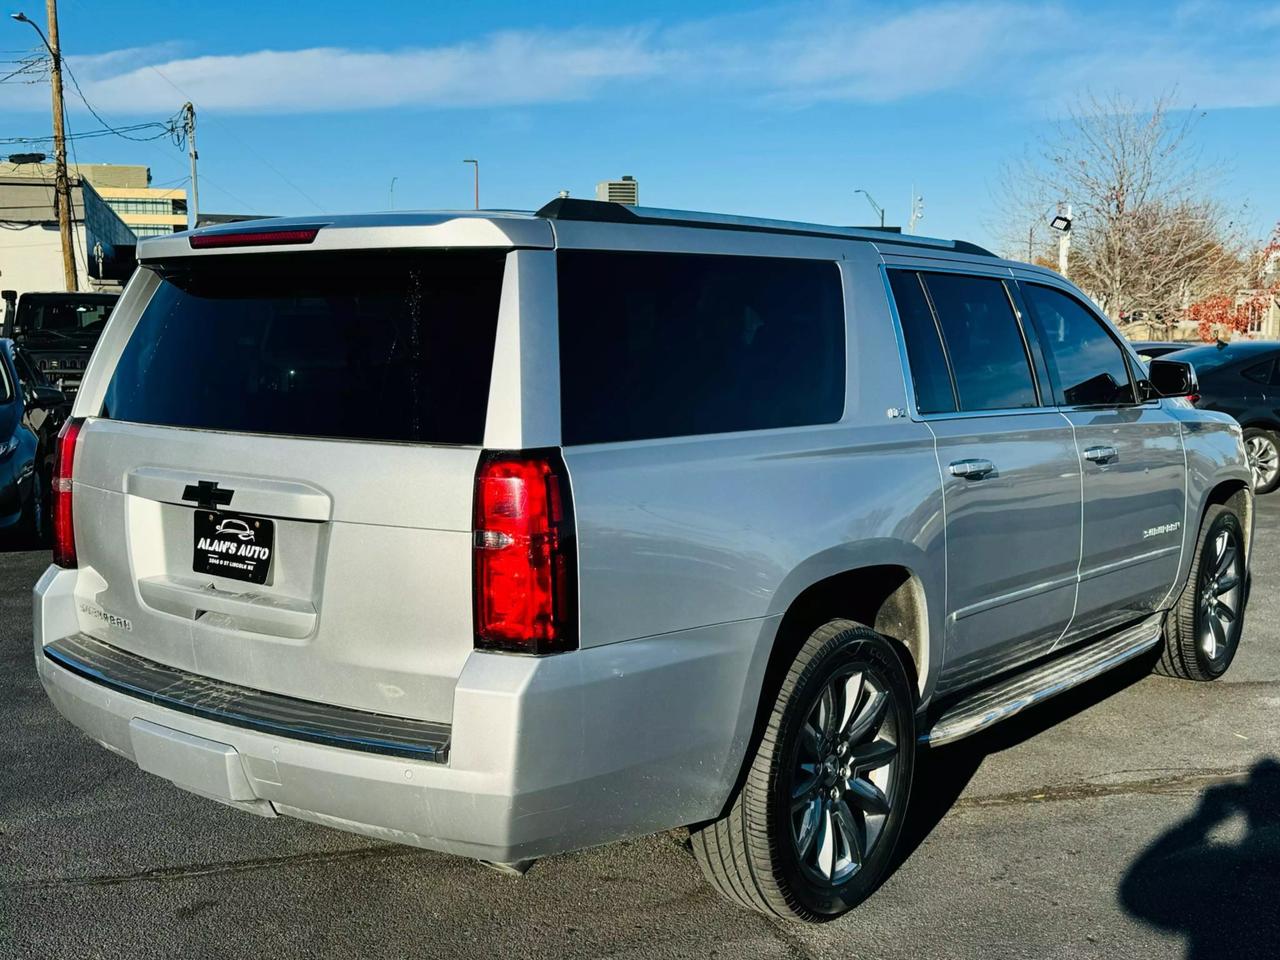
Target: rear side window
[984, 341]
[1260, 372]
[929, 371]
[367, 346]
[668, 345]
[1089, 364]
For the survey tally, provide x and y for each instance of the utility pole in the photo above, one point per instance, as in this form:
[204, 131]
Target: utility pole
[61, 183]
[189, 121]
[477, 166]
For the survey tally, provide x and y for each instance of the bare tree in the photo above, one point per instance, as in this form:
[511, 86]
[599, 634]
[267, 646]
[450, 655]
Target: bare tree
[1149, 236]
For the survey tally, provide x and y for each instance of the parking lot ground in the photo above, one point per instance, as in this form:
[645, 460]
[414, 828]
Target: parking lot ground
[1135, 817]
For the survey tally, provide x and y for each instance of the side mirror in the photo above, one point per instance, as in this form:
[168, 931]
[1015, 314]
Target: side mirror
[45, 397]
[1172, 378]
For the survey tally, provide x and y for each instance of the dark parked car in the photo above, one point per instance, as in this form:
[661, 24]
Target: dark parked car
[58, 331]
[32, 411]
[1243, 379]
[1150, 349]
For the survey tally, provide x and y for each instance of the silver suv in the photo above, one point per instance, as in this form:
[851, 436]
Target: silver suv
[506, 535]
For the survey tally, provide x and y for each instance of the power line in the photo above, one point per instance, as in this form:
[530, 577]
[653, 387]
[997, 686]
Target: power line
[27, 67]
[261, 159]
[163, 128]
[170, 126]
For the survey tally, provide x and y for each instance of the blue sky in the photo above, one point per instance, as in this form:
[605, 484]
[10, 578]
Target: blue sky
[773, 110]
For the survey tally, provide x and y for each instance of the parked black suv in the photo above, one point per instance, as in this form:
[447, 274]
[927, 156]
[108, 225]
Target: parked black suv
[58, 331]
[1243, 379]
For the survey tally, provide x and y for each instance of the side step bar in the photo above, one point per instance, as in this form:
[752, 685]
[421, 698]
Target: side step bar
[992, 704]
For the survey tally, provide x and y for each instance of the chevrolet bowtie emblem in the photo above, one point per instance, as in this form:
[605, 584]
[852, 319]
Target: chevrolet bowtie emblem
[207, 495]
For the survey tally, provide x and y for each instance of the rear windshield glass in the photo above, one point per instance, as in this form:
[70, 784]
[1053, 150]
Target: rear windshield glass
[55, 317]
[372, 346]
[1208, 358]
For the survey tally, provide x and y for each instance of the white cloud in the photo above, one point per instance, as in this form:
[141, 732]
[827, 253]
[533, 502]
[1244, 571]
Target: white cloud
[840, 50]
[508, 68]
[937, 47]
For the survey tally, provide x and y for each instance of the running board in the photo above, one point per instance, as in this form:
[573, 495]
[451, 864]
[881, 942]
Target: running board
[992, 704]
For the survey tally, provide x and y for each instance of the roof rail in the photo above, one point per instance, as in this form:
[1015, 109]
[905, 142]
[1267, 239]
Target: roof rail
[604, 211]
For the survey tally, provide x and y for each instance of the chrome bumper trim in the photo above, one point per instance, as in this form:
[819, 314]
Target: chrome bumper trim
[239, 706]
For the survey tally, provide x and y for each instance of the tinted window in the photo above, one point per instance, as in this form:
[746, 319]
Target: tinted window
[1259, 372]
[667, 345]
[1088, 363]
[929, 371]
[984, 342]
[377, 346]
[62, 316]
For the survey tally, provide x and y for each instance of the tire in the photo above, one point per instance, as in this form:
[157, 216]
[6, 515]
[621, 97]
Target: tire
[1202, 631]
[789, 844]
[1263, 450]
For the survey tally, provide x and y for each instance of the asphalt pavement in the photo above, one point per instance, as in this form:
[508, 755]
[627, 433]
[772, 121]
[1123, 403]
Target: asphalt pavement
[1135, 817]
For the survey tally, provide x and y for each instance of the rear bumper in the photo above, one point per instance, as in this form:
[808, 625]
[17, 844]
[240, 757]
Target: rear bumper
[545, 755]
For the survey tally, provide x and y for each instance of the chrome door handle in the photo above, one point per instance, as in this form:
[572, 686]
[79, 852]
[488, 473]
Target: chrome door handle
[1100, 454]
[971, 469]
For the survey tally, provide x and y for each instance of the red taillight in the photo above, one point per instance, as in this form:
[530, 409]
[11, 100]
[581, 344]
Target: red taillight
[253, 238]
[64, 533]
[1193, 398]
[525, 570]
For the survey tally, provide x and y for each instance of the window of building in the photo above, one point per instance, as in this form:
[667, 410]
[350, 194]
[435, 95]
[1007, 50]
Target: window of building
[984, 342]
[668, 345]
[153, 229]
[1088, 363]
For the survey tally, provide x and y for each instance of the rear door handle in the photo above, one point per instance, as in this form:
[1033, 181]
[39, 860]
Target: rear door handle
[1100, 454]
[971, 469]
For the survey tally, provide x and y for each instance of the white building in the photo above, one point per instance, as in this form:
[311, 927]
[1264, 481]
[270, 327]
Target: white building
[31, 245]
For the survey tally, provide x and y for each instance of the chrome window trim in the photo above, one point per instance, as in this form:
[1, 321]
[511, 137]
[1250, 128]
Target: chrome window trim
[994, 273]
[1063, 285]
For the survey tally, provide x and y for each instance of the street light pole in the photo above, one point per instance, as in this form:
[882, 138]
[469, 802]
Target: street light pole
[476, 163]
[874, 206]
[61, 183]
[1064, 243]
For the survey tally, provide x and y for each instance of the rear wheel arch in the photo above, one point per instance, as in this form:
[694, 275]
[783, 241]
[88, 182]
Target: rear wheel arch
[1268, 425]
[888, 598]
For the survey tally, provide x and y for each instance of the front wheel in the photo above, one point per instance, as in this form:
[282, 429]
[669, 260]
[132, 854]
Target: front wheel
[812, 831]
[1263, 451]
[1202, 632]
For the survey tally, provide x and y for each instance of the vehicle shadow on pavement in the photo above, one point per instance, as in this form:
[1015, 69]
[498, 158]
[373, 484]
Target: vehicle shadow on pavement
[943, 773]
[1215, 877]
[11, 541]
